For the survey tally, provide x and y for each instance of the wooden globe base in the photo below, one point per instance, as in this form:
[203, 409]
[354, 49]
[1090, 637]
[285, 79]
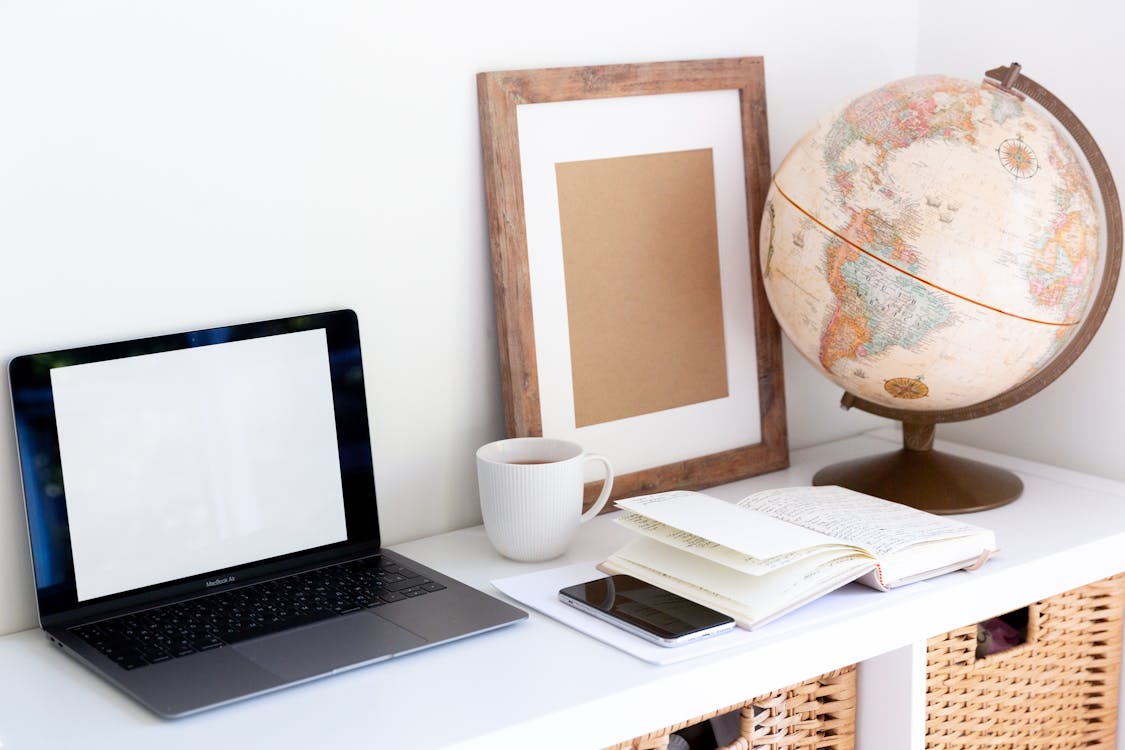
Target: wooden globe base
[923, 478]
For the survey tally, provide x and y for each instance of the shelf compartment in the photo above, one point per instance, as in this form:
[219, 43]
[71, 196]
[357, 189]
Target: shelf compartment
[1059, 689]
[816, 714]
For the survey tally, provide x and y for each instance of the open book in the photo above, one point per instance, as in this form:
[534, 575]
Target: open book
[778, 549]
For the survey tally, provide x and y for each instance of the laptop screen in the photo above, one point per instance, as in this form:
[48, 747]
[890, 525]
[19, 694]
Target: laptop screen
[184, 462]
[193, 456]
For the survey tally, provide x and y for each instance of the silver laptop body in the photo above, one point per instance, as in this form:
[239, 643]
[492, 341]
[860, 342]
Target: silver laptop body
[202, 514]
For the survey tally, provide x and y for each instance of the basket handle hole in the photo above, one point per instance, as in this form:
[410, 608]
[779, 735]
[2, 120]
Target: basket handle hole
[1002, 633]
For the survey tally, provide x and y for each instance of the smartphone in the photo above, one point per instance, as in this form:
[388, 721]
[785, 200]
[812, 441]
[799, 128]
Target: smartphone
[645, 610]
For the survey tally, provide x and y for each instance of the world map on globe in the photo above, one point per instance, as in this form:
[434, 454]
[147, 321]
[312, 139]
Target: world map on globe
[931, 244]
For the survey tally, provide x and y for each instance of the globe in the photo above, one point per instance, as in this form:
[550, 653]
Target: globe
[933, 247]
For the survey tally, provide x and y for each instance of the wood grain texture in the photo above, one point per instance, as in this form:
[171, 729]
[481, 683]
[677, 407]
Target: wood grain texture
[499, 94]
[508, 241]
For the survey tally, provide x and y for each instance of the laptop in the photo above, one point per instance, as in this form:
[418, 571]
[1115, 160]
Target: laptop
[202, 514]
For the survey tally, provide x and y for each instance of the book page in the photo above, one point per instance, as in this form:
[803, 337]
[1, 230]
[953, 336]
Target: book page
[928, 559]
[716, 552]
[877, 525]
[751, 600]
[744, 530]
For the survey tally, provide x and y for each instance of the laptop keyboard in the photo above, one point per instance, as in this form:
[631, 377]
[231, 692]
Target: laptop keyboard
[209, 622]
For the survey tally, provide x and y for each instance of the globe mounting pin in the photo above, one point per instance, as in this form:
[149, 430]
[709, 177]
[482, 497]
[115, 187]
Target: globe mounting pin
[1007, 83]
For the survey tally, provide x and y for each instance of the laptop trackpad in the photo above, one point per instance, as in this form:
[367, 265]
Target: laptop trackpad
[318, 649]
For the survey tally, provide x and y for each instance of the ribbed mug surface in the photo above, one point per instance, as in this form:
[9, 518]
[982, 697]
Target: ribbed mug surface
[531, 495]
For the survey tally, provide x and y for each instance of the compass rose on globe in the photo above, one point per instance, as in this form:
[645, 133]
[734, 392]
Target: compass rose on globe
[941, 249]
[1018, 158]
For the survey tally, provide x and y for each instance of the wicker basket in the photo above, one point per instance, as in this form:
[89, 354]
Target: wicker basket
[817, 714]
[1057, 690]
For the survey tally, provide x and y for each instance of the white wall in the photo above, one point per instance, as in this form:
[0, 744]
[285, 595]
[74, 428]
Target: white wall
[175, 164]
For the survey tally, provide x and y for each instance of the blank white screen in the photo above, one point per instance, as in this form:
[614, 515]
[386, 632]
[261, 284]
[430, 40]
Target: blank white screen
[196, 460]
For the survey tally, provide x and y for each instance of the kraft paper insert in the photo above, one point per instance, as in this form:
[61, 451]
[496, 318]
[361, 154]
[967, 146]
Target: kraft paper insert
[641, 258]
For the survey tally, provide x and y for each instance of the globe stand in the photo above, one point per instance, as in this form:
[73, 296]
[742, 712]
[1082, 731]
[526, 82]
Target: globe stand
[921, 477]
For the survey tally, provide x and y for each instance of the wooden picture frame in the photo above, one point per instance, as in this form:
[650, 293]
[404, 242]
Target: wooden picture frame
[621, 113]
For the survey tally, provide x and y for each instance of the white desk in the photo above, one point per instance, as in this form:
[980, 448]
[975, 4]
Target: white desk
[540, 684]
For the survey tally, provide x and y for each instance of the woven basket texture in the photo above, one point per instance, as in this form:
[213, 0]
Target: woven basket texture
[817, 714]
[1056, 691]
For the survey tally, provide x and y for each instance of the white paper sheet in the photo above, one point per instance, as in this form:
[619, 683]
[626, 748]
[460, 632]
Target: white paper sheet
[539, 591]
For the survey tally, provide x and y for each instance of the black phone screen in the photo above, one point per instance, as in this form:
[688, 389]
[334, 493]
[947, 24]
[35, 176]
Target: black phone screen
[651, 608]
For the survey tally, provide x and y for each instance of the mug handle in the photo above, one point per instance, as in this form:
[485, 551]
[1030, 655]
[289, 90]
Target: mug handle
[607, 487]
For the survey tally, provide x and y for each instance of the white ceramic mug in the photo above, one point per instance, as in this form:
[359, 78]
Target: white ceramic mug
[531, 495]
